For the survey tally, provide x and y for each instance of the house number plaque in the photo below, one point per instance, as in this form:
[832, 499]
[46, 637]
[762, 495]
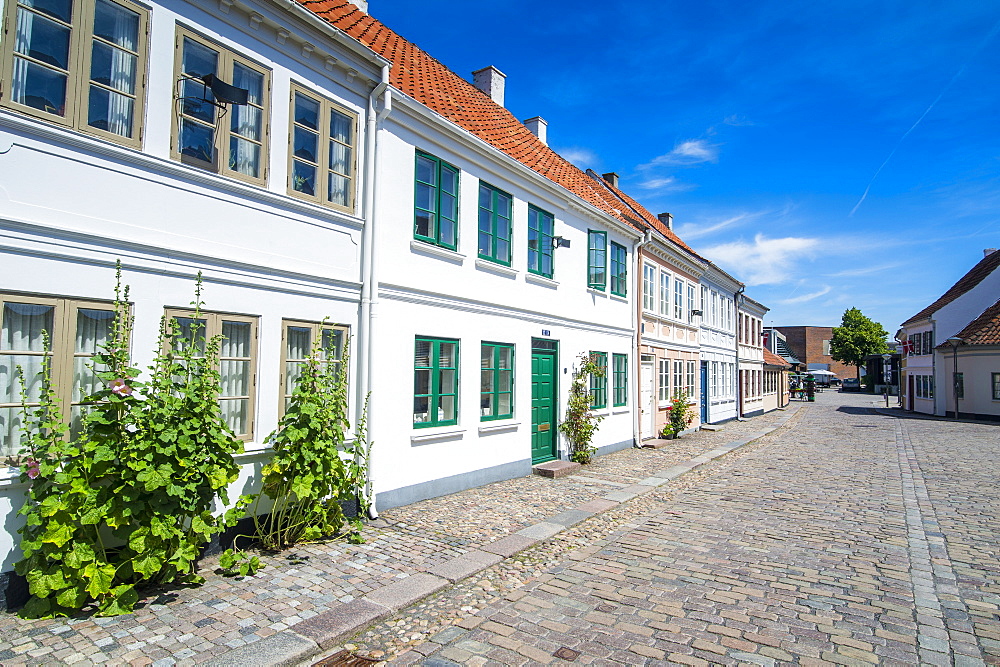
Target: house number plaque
[543, 427]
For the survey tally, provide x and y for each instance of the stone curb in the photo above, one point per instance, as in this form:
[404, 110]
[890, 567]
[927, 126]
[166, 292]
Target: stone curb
[308, 638]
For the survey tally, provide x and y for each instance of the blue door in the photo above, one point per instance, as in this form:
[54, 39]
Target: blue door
[704, 392]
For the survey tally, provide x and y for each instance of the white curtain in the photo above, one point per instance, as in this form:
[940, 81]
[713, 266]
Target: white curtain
[123, 24]
[22, 44]
[23, 327]
[244, 149]
[235, 374]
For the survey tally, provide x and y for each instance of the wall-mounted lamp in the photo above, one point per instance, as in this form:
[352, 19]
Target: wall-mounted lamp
[559, 242]
[696, 312]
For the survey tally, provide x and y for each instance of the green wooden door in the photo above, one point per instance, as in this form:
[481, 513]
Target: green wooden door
[544, 405]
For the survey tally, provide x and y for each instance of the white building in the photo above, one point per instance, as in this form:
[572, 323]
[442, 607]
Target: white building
[719, 377]
[754, 385]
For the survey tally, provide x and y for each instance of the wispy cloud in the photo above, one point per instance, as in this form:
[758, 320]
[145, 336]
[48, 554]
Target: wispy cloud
[807, 297]
[764, 261]
[863, 271]
[694, 230]
[737, 120]
[581, 157]
[667, 184]
[687, 153]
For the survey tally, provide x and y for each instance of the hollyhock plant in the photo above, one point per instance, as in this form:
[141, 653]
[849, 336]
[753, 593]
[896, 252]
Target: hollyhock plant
[120, 387]
[31, 467]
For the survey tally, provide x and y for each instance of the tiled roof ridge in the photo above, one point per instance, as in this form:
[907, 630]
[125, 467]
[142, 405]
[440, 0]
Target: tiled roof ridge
[985, 329]
[774, 360]
[976, 275]
[424, 78]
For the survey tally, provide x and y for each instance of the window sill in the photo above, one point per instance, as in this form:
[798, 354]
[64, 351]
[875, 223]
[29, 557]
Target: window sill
[487, 265]
[618, 297]
[540, 280]
[498, 427]
[597, 292]
[623, 410]
[437, 251]
[436, 435]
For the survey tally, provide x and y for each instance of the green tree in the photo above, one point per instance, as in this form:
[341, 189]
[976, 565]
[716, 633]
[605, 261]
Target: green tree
[855, 338]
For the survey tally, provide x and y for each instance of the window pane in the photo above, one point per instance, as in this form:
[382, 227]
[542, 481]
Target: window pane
[235, 339]
[505, 404]
[234, 378]
[85, 380]
[38, 87]
[23, 324]
[113, 67]
[60, 9]
[305, 145]
[446, 381]
[293, 369]
[245, 120]
[191, 330]
[306, 112]
[234, 412]
[422, 382]
[446, 409]
[421, 409]
[193, 93]
[303, 178]
[250, 80]
[337, 189]
[340, 158]
[422, 357]
[10, 431]
[423, 222]
[447, 232]
[340, 127]
[244, 157]
[10, 388]
[116, 24]
[426, 172]
[333, 344]
[198, 60]
[197, 141]
[449, 206]
[42, 39]
[447, 357]
[109, 111]
[449, 180]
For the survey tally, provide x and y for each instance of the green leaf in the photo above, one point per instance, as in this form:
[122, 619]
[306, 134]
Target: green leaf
[57, 534]
[121, 601]
[147, 564]
[99, 578]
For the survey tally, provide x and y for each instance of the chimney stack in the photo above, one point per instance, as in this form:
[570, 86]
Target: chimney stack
[611, 178]
[538, 127]
[361, 4]
[988, 252]
[490, 80]
[667, 219]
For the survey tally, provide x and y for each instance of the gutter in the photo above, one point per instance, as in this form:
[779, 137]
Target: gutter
[647, 237]
[369, 274]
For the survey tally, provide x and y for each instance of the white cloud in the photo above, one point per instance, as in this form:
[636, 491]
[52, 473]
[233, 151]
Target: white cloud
[690, 152]
[764, 261]
[737, 120]
[864, 271]
[581, 157]
[694, 230]
[807, 297]
[668, 184]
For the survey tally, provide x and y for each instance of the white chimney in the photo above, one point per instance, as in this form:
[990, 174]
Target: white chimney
[611, 178]
[490, 81]
[989, 251]
[539, 128]
[667, 219]
[361, 4]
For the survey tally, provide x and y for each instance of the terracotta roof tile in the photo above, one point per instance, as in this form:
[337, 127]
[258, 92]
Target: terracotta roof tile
[985, 329]
[426, 80]
[985, 267]
[771, 359]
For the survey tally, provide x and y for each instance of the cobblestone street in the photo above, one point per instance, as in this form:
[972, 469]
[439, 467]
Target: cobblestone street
[851, 537]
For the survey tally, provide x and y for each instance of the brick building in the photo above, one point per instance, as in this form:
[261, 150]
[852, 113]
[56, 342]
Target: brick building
[811, 346]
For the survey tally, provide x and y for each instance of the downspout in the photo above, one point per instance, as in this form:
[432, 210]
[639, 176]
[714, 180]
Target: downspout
[739, 385]
[369, 274]
[647, 236]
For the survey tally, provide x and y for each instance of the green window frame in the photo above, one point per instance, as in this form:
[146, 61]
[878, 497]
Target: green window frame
[619, 379]
[599, 383]
[495, 210]
[496, 381]
[995, 382]
[435, 209]
[435, 382]
[77, 63]
[597, 259]
[959, 384]
[541, 228]
[619, 270]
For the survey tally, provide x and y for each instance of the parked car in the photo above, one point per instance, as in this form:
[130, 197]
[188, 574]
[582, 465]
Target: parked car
[851, 384]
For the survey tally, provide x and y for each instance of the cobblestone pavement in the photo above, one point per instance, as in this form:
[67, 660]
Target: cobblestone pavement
[851, 538]
[194, 625]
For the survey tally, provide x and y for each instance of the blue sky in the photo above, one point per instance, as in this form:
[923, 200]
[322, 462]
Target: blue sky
[829, 155]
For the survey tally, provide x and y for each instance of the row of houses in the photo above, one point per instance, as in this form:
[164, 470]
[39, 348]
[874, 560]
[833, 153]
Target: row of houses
[951, 348]
[331, 181]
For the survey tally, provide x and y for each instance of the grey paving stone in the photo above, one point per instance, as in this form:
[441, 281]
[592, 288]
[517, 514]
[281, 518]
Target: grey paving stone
[465, 565]
[283, 648]
[327, 628]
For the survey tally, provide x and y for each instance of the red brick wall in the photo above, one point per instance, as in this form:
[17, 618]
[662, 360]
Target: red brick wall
[806, 343]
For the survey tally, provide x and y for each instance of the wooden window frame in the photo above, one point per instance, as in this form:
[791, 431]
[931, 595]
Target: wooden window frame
[648, 287]
[213, 327]
[439, 166]
[327, 108]
[316, 329]
[495, 219]
[597, 259]
[220, 160]
[619, 377]
[494, 370]
[78, 81]
[599, 383]
[541, 225]
[435, 394]
[618, 269]
[62, 349]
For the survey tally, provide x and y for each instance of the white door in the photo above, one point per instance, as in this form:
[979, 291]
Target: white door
[647, 401]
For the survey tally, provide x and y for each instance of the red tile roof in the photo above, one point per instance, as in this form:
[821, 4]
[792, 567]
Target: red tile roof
[985, 267]
[985, 329]
[771, 359]
[426, 80]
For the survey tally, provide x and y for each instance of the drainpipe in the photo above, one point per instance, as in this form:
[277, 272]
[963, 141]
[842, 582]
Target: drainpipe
[369, 274]
[647, 236]
[739, 385]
